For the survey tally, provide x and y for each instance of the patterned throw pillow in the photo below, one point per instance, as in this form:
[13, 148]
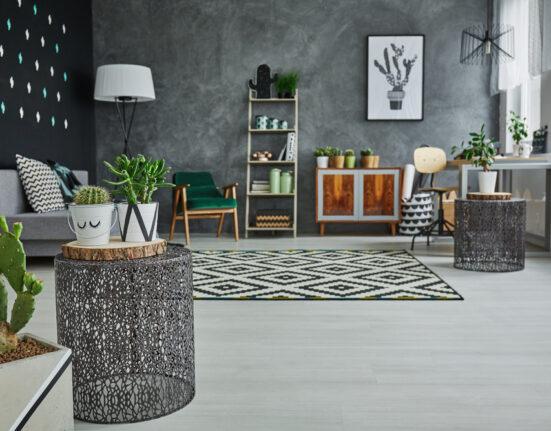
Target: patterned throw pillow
[40, 185]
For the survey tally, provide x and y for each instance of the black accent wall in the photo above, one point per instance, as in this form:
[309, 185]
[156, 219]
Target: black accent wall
[46, 82]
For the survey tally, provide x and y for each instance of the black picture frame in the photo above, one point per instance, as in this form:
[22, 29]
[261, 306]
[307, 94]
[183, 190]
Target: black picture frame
[380, 108]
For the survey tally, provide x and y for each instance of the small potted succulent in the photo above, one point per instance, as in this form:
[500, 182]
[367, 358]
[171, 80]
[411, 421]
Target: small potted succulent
[349, 159]
[92, 212]
[337, 155]
[139, 177]
[24, 355]
[368, 159]
[481, 152]
[519, 131]
[286, 84]
[322, 157]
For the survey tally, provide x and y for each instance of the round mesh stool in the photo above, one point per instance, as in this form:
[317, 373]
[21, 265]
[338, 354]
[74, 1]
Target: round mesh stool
[490, 235]
[129, 324]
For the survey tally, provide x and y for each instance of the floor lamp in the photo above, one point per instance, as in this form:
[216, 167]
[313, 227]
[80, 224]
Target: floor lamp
[126, 85]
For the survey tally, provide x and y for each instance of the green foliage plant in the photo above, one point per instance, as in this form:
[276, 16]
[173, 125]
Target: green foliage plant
[517, 126]
[138, 176]
[479, 150]
[92, 195]
[13, 266]
[320, 152]
[287, 82]
[367, 152]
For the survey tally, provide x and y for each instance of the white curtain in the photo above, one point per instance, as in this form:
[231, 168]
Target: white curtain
[532, 41]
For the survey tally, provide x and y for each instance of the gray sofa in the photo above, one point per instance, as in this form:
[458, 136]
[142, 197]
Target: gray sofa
[43, 233]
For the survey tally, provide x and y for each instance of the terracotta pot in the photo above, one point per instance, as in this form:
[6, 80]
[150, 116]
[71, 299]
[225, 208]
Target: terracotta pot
[375, 163]
[331, 162]
[365, 161]
[370, 161]
[339, 162]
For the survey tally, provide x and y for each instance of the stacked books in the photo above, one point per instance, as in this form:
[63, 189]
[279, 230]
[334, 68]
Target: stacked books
[260, 186]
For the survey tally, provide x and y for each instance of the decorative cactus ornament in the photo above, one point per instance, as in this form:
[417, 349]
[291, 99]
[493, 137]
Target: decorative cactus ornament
[91, 195]
[13, 267]
[264, 81]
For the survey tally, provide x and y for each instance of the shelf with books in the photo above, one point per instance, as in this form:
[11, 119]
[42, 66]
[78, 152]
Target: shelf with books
[288, 156]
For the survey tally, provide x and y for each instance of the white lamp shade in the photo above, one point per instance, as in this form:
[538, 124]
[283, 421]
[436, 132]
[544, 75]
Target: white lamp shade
[124, 80]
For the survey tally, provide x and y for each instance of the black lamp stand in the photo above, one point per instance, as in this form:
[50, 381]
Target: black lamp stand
[126, 126]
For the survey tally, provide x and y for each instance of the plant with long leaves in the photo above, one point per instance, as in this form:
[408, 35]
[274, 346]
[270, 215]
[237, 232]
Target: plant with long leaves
[517, 127]
[479, 150]
[139, 177]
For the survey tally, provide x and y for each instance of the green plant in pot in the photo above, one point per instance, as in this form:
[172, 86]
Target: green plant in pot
[350, 159]
[369, 160]
[286, 84]
[13, 266]
[481, 152]
[139, 177]
[92, 212]
[322, 157]
[338, 158]
[519, 131]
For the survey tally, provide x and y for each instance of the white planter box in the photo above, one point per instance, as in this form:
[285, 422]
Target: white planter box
[37, 392]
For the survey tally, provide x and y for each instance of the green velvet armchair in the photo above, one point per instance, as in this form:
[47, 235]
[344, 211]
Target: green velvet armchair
[196, 196]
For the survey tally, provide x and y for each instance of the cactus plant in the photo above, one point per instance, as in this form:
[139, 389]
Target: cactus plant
[13, 267]
[396, 80]
[264, 81]
[90, 195]
[349, 153]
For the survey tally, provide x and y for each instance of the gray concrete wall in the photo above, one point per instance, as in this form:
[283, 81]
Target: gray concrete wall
[202, 52]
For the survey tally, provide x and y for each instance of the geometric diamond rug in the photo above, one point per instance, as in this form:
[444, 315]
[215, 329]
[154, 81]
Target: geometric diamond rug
[315, 274]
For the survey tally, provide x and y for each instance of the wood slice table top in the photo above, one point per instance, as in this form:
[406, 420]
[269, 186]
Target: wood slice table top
[499, 196]
[115, 250]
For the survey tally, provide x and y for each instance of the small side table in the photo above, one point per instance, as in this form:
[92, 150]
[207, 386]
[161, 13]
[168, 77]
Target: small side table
[130, 326]
[490, 235]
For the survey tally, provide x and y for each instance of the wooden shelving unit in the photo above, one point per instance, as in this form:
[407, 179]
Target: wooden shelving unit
[253, 163]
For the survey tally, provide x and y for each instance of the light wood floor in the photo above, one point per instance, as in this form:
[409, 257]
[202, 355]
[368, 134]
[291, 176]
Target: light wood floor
[479, 364]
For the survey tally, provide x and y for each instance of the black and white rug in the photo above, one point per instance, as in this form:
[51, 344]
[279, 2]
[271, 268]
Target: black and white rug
[315, 274]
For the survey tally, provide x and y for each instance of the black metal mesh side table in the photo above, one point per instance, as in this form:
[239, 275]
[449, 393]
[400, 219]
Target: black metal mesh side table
[490, 235]
[130, 326]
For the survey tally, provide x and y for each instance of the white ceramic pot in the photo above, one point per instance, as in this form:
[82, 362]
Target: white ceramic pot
[138, 223]
[92, 223]
[37, 392]
[322, 161]
[526, 149]
[487, 181]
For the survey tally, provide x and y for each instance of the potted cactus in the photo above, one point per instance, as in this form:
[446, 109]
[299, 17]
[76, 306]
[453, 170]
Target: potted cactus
[322, 157]
[396, 80]
[24, 356]
[368, 159]
[337, 158]
[481, 152]
[92, 211]
[349, 159]
[139, 178]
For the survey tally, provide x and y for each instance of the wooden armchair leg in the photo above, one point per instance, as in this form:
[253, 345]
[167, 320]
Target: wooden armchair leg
[220, 224]
[235, 226]
[186, 225]
[173, 225]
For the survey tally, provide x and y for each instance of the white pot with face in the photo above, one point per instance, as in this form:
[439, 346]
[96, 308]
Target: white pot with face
[138, 222]
[487, 181]
[92, 223]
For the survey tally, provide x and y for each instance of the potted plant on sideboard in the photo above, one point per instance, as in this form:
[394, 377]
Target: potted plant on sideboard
[517, 127]
[368, 159]
[481, 152]
[139, 178]
[337, 158]
[322, 157]
[349, 159]
[31, 368]
[92, 211]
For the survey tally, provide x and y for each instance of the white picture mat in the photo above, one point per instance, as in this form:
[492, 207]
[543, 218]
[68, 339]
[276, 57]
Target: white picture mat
[378, 106]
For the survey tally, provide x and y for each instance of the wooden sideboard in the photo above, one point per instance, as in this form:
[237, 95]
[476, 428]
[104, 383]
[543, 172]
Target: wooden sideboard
[370, 195]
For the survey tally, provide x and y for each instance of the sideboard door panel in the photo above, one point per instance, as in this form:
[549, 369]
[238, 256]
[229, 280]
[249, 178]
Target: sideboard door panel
[337, 195]
[379, 189]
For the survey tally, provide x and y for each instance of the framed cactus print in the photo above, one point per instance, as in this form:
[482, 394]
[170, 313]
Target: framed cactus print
[395, 77]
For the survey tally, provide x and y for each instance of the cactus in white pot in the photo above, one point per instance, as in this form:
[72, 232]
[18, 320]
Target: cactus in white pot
[92, 211]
